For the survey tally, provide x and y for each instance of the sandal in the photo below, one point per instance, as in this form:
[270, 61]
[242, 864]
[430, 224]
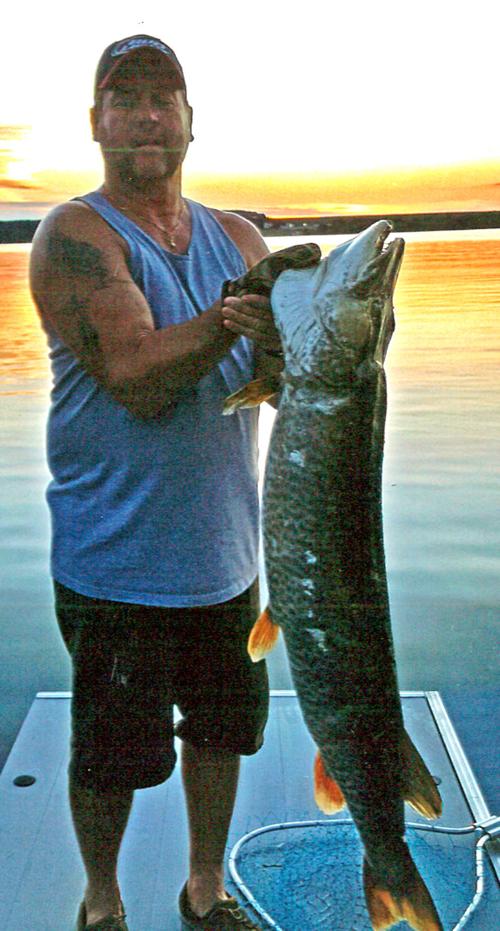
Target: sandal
[226, 915]
[109, 923]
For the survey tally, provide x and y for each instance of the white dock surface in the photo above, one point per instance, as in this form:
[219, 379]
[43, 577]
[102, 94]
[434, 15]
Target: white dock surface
[41, 874]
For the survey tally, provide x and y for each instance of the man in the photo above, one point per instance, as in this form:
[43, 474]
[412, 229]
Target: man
[153, 498]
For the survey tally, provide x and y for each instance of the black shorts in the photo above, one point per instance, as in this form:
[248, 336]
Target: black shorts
[133, 663]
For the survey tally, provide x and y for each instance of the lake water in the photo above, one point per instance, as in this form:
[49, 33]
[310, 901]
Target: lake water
[441, 486]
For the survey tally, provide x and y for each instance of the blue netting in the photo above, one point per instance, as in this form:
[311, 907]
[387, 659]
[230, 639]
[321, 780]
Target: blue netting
[309, 877]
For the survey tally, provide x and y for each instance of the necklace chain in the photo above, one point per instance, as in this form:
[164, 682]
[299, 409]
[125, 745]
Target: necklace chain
[169, 233]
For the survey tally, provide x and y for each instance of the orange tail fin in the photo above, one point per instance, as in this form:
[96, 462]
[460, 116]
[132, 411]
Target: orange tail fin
[252, 394]
[327, 793]
[415, 906]
[263, 636]
[420, 790]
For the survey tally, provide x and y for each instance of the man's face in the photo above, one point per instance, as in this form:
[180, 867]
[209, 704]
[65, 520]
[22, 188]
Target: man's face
[143, 123]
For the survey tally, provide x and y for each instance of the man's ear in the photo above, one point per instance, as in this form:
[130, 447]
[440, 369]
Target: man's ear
[191, 137]
[93, 123]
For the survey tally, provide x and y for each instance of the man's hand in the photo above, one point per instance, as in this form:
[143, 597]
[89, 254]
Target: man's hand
[251, 315]
[246, 306]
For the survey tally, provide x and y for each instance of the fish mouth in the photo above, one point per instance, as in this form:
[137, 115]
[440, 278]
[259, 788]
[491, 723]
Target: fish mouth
[386, 256]
[367, 263]
[394, 251]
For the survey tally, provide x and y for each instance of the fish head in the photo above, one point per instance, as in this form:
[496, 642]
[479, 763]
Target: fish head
[354, 287]
[340, 313]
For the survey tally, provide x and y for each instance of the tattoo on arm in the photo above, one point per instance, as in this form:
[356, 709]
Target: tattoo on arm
[82, 262]
[76, 258]
[75, 309]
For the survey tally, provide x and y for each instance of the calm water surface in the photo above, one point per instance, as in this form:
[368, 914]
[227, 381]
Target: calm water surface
[441, 483]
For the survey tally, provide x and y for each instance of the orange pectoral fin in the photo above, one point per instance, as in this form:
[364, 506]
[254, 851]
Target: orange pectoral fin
[327, 793]
[252, 394]
[415, 906]
[263, 636]
[420, 790]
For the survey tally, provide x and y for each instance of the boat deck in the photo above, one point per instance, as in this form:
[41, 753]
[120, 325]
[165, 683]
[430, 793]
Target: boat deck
[41, 874]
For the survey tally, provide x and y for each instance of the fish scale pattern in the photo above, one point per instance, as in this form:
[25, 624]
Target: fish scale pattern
[328, 591]
[324, 553]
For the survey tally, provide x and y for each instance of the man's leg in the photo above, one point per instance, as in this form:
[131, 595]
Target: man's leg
[210, 781]
[223, 698]
[100, 819]
[119, 737]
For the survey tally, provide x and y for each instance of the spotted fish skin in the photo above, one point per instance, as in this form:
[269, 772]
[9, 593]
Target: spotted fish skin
[323, 541]
[326, 578]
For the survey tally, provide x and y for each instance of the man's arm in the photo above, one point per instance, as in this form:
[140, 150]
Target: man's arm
[235, 310]
[82, 285]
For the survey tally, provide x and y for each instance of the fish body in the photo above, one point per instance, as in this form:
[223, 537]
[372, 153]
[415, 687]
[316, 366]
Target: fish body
[322, 521]
[324, 557]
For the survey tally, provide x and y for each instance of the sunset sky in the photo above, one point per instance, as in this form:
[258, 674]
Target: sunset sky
[298, 108]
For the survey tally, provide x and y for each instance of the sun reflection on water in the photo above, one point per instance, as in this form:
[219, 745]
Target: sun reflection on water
[446, 310]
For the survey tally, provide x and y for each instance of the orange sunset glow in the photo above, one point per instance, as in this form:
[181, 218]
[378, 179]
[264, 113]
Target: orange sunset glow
[462, 187]
[445, 188]
[341, 111]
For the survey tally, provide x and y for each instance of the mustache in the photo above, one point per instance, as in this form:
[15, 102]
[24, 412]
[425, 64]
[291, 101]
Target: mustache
[135, 146]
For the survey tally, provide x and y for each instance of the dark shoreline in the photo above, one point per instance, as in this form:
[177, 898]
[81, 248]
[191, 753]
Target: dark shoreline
[402, 223]
[21, 231]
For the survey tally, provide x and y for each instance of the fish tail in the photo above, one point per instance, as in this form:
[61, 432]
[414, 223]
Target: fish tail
[252, 394]
[327, 793]
[419, 787]
[414, 905]
[263, 636]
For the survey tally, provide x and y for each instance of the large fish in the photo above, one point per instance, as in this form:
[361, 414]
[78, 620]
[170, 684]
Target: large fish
[324, 558]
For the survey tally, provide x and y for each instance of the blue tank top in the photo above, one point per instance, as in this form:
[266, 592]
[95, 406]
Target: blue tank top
[165, 511]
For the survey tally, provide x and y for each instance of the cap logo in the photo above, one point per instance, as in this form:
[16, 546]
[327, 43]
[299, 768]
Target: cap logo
[131, 44]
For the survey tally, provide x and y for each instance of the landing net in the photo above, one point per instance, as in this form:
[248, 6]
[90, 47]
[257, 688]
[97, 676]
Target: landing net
[307, 875]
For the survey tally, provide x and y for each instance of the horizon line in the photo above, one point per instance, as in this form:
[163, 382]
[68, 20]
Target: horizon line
[421, 221]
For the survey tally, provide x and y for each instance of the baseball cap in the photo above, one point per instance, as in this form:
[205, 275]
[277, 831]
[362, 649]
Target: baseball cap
[116, 53]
